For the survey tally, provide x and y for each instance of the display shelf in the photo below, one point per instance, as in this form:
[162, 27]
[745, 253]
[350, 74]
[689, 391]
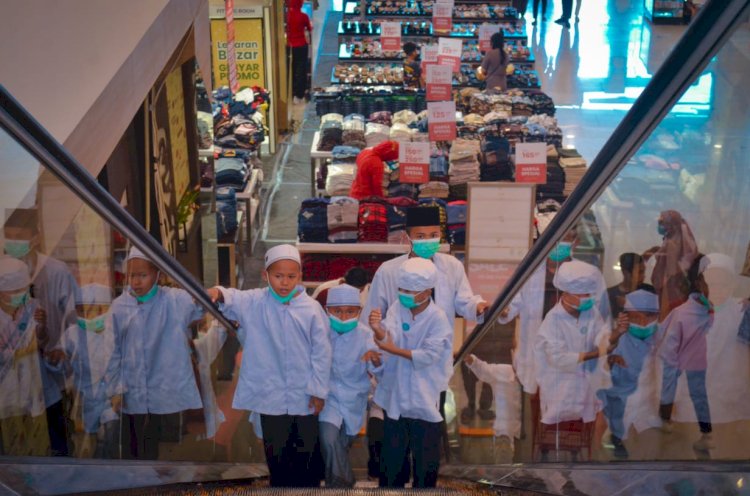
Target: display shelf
[349, 13]
[345, 56]
[360, 248]
[374, 31]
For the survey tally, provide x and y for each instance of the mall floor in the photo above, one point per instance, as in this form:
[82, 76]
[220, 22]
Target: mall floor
[593, 71]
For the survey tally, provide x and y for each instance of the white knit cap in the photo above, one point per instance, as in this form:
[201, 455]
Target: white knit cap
[417, 274]
[343, 296]
[14, 274]
[282, 252]
[576, 277]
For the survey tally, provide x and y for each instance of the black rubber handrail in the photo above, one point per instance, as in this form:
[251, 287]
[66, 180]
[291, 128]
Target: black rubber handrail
[701, 41]
[35, 139]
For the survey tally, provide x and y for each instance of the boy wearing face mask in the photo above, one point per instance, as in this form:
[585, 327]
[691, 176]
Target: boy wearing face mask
[88, 347]
[416, 336]
[150, 373]
[23, 382]
[353, 349]
[568, 347]
[286, 364]
[630, 345]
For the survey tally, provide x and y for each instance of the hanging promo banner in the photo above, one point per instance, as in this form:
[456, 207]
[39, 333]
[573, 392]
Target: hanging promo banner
[449, 53]
[429, 57]
[390, 36]
[439, 79]
[442, 17]
[248, 45]
[441, 119]
[414, 162]
[234, 85]
[486, 31]
[531, 163]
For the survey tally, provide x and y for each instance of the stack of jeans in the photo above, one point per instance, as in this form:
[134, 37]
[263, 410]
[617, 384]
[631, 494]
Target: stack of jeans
[226, 212]
[312, 221]
[231, 172]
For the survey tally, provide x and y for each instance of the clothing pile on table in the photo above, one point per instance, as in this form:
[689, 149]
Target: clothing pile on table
[343, 215]
[464, 163]
[495, 159]
[354, 131]
[226, 212]
[434, 189]
[312, 221]
[373, 221]
[376, 133]
[331, 132]
[323, 267]
[554, 188]
[238, 120]
[456, 212]
[340, 178]
[574, 166]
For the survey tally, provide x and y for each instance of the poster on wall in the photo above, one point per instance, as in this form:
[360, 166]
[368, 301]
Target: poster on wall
[248, 46]
[177, 132]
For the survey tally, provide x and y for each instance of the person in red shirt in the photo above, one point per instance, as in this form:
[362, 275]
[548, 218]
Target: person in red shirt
[298, 32]
[370, 169]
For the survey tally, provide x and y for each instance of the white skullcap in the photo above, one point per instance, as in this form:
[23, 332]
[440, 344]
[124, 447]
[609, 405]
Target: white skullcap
[282, 252]
[343, 296]
[717, 261]
[642, 301]
[94, 294]
[136, 253]
[14, 274]
[576, 277]
[417, 274]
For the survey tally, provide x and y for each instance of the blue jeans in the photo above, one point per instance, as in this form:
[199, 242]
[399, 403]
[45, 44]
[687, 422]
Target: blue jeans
[696, 380]
[334, 445]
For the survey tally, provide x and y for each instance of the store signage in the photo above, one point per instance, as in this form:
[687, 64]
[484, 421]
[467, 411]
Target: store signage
[414, 162]
[248, 47]
[442, 17]
[531, 163]
[439, 80]
[234, 84]
[390, 36]
[449, 53]
[441, 119]
[429, 57]
[486, 31]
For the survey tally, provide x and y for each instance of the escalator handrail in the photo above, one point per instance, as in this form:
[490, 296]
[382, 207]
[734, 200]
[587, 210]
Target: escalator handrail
[35, 139]
[703, 38]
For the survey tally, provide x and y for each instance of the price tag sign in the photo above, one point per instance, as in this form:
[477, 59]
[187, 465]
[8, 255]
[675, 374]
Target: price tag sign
[429, 57]
[390, 36]
[486, 31]
[442, 17]
[449, 53]
[441, 119]
[531, 163]
[439, 79]
[414, 162]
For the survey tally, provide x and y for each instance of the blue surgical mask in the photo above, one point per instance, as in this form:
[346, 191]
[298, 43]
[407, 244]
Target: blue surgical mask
[425, 248]
[408, 300]
[343, 326]
[281, 299]
[93, 325]
[17, 248]
[19, 299]
[561, 251]
[642, 332]
[661, 230]
[585, 304]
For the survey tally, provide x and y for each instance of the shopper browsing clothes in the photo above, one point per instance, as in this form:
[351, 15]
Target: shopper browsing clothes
[371, 167]
[286, 364]
[413, 77]
[416, 338]
[298, 36]
[495, 64]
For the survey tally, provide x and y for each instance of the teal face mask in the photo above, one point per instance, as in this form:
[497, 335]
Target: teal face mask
[343, 326]
[92, 325]
[148, 296]
[642, 332]
[19, 299]
[392, 165]
[561, 251]
[425, 248]
[281, 299]
[585, 304]
[661, 230]
[408, 300]
[17, 248]
[705, 301]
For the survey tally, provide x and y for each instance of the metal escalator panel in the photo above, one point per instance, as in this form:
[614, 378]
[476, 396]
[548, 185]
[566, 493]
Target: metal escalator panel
[662, 209]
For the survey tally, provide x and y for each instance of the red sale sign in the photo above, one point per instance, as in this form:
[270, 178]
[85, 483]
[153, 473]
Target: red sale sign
[414, 162]
[390, 36]
[442, 17]
[441, 119]
[449, 53]
[439, 79]
[429, 57]
[485, 34]
[531, 163]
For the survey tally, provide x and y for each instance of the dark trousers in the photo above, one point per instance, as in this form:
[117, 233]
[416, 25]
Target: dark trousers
[140, 436]
[536, 8]
[289, 442]
[299, 71]
[422, 439]
[470, 382]
[57, 429]
[567, 9]
[374, 446]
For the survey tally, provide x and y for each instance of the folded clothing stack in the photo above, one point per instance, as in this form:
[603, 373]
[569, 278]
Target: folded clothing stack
[522, 105]
[400, 132]
[404, 117]
[407, 190]
[354, 131]
[434, 189]
[331, 132]
[441, 204]
[376, 133]
[574, 166]
[226, 212]
[312, 221]
[339, 266]
[456, 217]
[495, 159]
[230, 172]
[316, 267]
[397, 208]
[340, 178]
[383, 117]
[543, 103]
[343, 214]
[464, 163]
[373, 220]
